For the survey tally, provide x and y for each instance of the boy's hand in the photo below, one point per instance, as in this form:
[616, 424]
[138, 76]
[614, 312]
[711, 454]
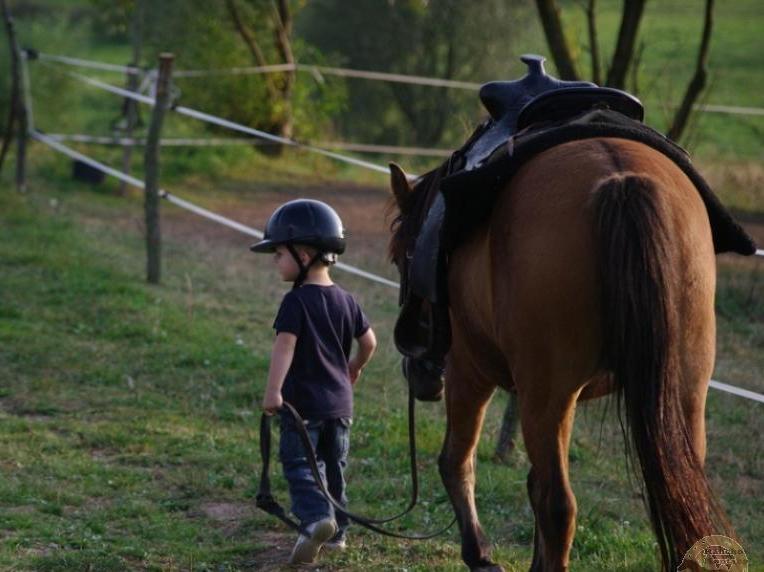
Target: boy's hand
[354, 370]
[272, 403]
[367, 343]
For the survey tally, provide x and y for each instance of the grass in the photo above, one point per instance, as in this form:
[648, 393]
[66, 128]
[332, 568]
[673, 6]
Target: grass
[669, 37]
[129, 432]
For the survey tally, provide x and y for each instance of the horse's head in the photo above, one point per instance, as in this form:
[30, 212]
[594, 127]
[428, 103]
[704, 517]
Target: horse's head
[423, 374]
[409, 212]
[411, 203]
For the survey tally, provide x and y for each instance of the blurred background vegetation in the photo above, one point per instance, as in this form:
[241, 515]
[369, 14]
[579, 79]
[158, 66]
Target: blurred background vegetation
[474, 41]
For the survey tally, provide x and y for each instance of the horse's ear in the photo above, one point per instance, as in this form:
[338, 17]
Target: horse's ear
[399, 183]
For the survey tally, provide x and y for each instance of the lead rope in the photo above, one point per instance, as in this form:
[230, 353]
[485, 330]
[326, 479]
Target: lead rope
[266, 501]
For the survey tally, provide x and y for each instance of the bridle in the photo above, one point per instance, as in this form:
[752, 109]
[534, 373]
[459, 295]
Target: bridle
[418, 319]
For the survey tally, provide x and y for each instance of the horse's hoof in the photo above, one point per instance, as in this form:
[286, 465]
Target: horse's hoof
[491, 568]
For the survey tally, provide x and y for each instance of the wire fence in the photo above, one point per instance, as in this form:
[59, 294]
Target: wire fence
[318, 71]
[220, 219]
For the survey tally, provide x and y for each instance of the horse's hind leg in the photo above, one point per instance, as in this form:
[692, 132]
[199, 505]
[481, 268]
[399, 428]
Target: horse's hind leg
[547, 426]
[466, 403]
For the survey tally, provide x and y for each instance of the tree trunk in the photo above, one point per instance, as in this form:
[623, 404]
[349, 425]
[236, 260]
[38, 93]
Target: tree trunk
[549, 13]
[279, 86]
[594, 49]
[282, 20]
[14, 106]
[627, 37]
[698, 82]
[249, 39]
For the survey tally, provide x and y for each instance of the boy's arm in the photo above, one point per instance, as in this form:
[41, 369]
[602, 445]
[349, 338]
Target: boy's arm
[367, 343]
[281, 358]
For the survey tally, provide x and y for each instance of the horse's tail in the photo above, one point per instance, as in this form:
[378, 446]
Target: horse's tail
[641, 331]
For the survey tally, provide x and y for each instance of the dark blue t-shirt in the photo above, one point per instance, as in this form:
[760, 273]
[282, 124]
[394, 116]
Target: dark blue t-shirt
[325, 320]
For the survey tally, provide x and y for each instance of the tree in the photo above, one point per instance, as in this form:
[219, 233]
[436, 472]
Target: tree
[225, 34]
[449, 39]
[625, 55]
[280, 86]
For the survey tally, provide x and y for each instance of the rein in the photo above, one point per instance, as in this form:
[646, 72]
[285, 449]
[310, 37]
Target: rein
[268, 503]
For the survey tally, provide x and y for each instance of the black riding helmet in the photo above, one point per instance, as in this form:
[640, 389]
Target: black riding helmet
[307, 222]
[303, 221]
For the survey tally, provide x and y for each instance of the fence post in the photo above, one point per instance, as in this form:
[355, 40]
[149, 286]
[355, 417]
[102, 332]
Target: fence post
[17, 111]
[21, 140]
[151, 169]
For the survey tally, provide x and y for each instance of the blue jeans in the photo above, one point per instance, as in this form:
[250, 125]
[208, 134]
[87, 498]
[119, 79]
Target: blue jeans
[331, 442]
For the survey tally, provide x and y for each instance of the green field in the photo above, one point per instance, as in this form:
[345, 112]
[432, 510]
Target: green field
[129, 413]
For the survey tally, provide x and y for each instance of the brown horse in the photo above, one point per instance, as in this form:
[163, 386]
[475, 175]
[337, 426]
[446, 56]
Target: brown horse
[595, 272]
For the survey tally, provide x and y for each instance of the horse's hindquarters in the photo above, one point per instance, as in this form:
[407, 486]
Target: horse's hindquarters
[597, 264]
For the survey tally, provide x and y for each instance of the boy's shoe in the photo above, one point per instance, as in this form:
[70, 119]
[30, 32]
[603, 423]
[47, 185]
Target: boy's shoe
[307, 547]
[337, 542]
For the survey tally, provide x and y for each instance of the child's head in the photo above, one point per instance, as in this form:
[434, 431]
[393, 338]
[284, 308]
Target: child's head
[287, 265]
[302, 233]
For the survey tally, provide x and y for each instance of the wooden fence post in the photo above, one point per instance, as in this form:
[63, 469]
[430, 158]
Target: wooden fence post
[11, 120]
[21, 139]
[151, 169]
[17, 114]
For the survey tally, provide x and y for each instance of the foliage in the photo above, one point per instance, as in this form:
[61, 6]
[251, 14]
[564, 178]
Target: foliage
[447, 39]
[201, 35]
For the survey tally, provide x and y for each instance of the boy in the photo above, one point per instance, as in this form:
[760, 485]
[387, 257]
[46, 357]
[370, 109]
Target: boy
[311, 367]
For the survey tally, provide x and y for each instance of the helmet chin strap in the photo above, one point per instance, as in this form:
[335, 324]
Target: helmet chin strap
[303, 268]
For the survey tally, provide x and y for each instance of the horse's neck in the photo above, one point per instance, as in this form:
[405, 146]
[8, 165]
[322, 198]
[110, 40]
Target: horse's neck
[470, 281]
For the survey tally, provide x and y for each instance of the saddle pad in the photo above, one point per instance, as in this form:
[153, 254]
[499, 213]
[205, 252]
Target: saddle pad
[470, 195]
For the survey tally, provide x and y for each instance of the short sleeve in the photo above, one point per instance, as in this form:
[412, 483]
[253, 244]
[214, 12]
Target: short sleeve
[290, 316]
[361, 323]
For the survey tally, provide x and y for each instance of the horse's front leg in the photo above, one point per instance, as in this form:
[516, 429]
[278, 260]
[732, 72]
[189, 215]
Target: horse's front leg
[466, 403]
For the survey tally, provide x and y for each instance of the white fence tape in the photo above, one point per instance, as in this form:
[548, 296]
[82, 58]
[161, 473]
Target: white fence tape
[225, 141]
[737, 391]
[78, 62]
[258, 234]
[214, 120]
[317, 71]
[241, 227]
[206, 117]
[187, 204]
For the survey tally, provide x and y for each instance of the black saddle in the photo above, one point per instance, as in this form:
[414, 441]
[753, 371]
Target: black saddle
[504, 101]
[513, 106]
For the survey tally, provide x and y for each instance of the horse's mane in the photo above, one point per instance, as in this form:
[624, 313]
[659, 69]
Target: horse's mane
[408, 217]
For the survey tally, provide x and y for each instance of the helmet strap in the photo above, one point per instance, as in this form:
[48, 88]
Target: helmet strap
[303, 268]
